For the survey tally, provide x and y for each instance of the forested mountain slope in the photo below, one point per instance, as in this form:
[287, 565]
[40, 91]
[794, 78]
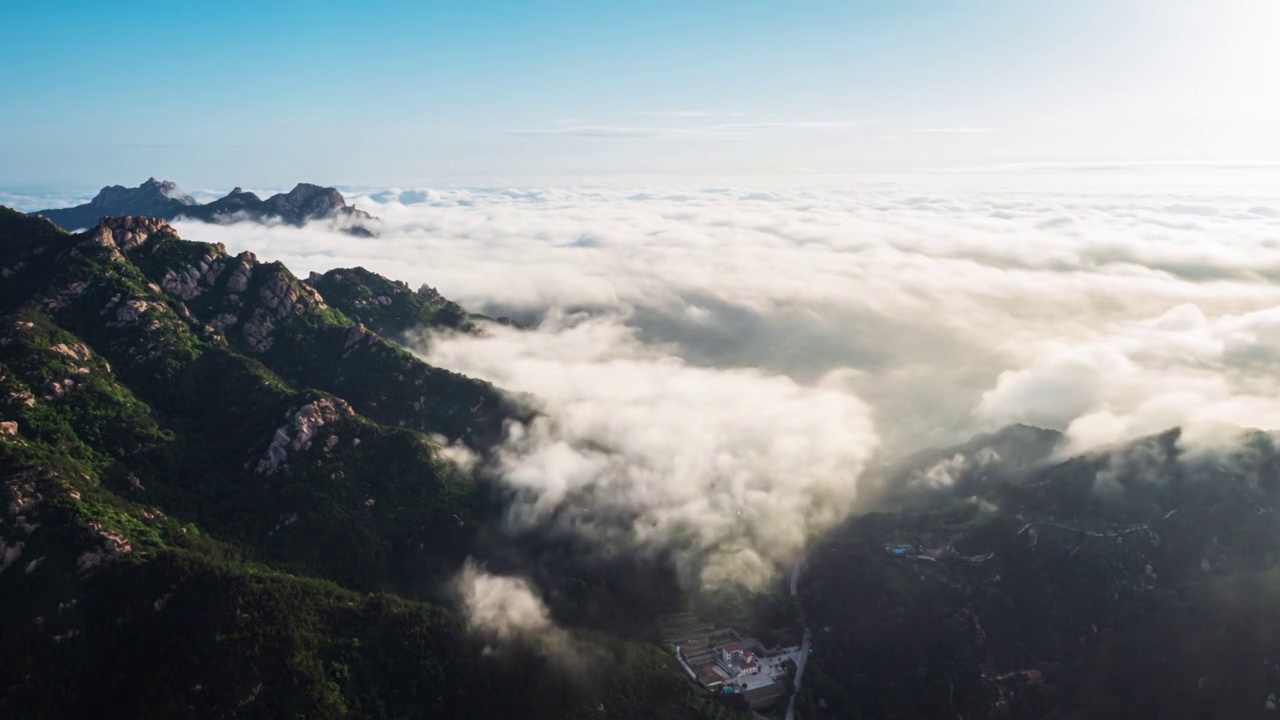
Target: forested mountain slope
[223, 497]
[1139, 581]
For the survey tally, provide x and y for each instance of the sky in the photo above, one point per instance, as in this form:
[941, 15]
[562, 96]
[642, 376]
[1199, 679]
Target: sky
[389, 92]
[1067, 213]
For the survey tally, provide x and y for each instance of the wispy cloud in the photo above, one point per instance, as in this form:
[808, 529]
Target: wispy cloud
[690, 113]
[623, 131]
[952, 130]
[507, 609]
[183, 145]
[798, 124]
[1096, 166]
[606, 131]
[725, 130]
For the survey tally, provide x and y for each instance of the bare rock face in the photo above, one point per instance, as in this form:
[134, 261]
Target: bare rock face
[189, 282]
[279, 298]
[134, 310]
[257, 331]
[296, 435]
[239, 280]
[357, 336]
[65, 296]
[77, 351]
[129, 231]
[106, 544]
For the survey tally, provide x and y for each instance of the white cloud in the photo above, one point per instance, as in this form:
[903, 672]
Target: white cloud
[30, 201]
[505, 609]
[732, 470]
[803, 282]
[721, 318]
[958, 129]
[1141, 377]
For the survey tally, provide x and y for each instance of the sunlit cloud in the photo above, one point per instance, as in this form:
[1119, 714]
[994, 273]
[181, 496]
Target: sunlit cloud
[716, 366]
[804, 282]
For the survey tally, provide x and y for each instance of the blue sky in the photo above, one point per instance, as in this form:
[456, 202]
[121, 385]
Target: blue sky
[391, 92]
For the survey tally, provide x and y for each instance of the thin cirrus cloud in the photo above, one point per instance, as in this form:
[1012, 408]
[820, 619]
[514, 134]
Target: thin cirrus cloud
[690, 113]
[955, 130]
[736, 129]
[624, 132]
[787, 124]
[599, 131]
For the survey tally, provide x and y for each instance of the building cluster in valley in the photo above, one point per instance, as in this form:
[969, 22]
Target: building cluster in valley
[724, 660]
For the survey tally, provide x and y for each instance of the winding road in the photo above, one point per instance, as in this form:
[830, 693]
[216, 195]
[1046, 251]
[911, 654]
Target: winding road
[804, 644]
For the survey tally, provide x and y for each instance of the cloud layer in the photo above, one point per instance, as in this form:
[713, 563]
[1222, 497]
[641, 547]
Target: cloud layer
[729, 470]
[931, 297]
[717, 365]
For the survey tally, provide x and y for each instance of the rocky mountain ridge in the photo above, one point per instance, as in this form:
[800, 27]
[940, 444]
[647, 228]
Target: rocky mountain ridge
[153, 198]
[224, 497]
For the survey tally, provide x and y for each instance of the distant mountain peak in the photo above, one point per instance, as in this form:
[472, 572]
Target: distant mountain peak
[166, 188]
[163, 199]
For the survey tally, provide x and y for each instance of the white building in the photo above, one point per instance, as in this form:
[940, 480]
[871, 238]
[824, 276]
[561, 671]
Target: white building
[736, 661]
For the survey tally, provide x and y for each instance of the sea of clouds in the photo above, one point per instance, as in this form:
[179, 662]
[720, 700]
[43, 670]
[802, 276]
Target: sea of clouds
[1109, 315]
[718, 366]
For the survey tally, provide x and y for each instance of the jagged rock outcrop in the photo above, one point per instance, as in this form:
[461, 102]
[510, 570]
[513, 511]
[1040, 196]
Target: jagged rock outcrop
[105, 544]
[304, 203]
[264, 311]
[76, 351]
[296, 434]
[128, 231]
[239, 281]
[163, 200]
[389, 307]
